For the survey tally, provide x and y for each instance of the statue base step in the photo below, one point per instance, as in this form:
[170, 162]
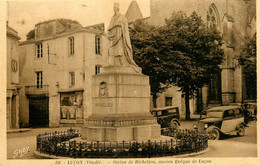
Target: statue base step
[123, 133]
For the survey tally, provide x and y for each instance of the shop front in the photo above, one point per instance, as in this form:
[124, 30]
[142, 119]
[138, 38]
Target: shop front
[71, 107]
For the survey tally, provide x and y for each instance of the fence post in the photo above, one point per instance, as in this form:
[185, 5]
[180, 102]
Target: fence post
[155, 144]
[37, 143]
[80, 148]
[98, 148]
[74, 150]
[85, 145]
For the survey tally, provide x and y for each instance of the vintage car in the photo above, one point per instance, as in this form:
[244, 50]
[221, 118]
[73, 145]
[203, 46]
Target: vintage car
[222, 120]
[167, 117]
[251, 110]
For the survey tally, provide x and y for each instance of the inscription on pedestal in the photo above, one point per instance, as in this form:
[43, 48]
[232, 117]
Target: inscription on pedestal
[104, 104]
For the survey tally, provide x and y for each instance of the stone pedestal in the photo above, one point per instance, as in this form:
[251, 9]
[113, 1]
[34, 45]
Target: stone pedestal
[227, 84]
[120, 109]
[228, 97]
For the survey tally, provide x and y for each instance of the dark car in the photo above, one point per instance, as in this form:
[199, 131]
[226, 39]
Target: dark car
[251, 110]
[222, 120]
[167, 117]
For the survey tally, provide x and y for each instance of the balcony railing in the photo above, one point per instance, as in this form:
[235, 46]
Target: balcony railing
[37, 90]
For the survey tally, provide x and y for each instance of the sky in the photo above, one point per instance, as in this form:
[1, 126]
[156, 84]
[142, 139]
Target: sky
[23, 15]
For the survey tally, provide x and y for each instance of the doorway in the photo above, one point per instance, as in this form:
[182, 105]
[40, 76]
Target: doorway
[39, 112]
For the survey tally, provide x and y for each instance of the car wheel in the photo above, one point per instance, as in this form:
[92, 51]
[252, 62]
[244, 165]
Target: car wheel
[174, 125]
[241, 130]
[214, 134]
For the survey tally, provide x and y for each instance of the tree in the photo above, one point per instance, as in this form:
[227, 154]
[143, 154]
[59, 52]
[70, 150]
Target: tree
[192, 53]
[184, 51]
[247, 59]
[144, 39]
[30, 35]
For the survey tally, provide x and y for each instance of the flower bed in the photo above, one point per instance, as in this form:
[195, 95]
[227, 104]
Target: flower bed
[182, 142]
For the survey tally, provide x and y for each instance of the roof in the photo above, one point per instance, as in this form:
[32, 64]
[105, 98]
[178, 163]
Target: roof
[11, 32]
[223, 108]
[133, 12]
[98, 27]
[66, 33]
[63, 21]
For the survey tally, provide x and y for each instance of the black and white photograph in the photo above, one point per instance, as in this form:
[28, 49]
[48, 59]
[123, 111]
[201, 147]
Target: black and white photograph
[129, 82]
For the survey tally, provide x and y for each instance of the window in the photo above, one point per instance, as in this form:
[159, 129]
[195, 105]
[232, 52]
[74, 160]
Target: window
[213, 17]
[238, 113]
[168, 101]
[97, 69]
[71, 46]
[97, 44]
[38, 79]
[214, 89]
[229, 114]
[39, 50]
[173, 111]
[72, 78]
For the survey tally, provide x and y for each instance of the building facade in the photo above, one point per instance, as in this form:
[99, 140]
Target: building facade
[12, 96]
[236, 21]
[56, 69]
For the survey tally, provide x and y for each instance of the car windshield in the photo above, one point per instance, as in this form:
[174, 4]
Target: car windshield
[214, 114]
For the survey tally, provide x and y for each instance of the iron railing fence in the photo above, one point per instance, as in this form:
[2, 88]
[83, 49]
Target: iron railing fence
[181, 142]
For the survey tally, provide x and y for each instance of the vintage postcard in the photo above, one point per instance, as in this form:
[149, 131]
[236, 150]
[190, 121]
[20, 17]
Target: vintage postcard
[129, 82]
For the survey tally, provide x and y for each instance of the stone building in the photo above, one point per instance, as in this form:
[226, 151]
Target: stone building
[58, 60]
[12, 95]
[236, 20]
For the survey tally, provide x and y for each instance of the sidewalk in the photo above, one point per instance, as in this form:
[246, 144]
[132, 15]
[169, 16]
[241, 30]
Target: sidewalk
[18, 130]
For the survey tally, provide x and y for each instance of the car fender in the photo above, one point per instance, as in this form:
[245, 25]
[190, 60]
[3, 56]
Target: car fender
[174, 119]
[210, 128]
[243, 123]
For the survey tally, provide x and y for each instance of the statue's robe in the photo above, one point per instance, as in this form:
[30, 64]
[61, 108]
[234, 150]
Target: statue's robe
[118, 32]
